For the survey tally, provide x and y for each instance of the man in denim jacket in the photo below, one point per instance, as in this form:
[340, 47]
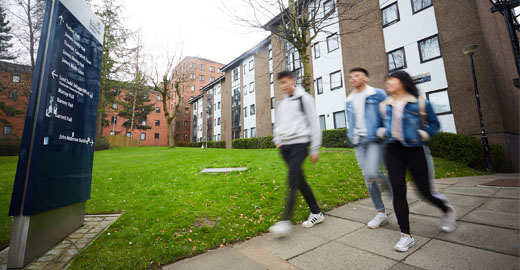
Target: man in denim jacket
[364, 119]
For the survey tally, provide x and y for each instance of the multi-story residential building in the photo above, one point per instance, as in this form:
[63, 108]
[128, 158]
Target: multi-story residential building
[156, 135]
[198, 72]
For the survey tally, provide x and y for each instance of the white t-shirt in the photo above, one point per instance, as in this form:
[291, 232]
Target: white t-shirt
[358, 101]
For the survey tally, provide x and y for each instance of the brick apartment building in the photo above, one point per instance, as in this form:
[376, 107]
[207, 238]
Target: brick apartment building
[198, 72]
[16, 83]
[423, 37]
[156, 136]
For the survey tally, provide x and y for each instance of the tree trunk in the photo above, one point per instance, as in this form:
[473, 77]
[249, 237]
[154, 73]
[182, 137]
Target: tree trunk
[133, 115]
[307, 76]
[171, 142]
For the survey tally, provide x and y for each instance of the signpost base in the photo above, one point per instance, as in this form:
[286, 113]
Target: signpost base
[32, 236]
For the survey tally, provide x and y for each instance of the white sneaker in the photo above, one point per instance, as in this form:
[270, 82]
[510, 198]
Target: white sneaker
[405, 243]
[449, 220]
[379, 220]
[313, 220]
[281, 228]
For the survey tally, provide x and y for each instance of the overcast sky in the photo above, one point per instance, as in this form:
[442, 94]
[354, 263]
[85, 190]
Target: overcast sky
[206, 29]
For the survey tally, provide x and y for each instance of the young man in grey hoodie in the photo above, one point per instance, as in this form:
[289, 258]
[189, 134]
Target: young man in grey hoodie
[296, 128]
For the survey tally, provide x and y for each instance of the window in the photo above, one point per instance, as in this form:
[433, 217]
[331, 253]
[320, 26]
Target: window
[328, 7]
[16, 78]
[156, 136]
[272, 103]
[158, 110]
[185, 123]
[440, 101]
[418, 5]
[177, 124]
[212, 79]
[211, 69]
[271, 78]
[13, 95]
[339, 119]
[429, 48]
[390, 14]
[252, 87]
[195, 106]
[319, 85]
[245, 133]
[143, 123]
[158, 97]
[245, 90]
[193, 88]
[177, 137]
[185, 136]
[316, 50]
[113, 120]
[396, 59]
[245, 111]
[253, 132]
[251, 65]
[218, 121]
[332, 43]
[186, 111]
[112, 133]
[114, 106]
[129, 134]
[201, 67]
[245, 68]
[192, 76]
[219, 105]
[7, 130]
[218, 89]
[192, 65]
[322, 122]
[157, 123]
[200, 88]
[235, 74]
[219, 70]
[201, 77]
[335, 80]
[143, 136]
[252, 110]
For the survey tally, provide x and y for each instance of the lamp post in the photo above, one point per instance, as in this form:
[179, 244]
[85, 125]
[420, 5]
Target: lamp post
[470, 50]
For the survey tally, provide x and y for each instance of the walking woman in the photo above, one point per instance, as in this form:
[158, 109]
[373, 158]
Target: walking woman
[409, 122]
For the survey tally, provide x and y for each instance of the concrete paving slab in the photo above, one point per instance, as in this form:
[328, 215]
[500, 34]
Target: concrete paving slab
[439, 254]
[511, 193]
[332, 228]
[296, 243]
[336, 256]
[428, 209]
[219, 259]
[223, 170]
[265, 258]
[488, 237]
[380, 241]
[471, 191]
[387, 200]
[419, 225]
[354, 212]
[489, 217]
[502, 205]
[463, 200]
[403, 266]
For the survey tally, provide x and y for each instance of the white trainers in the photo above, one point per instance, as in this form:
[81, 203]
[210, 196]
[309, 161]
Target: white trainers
[313, 220]
[449, 220]
[379, 220]
[281, 228]
[405, 243]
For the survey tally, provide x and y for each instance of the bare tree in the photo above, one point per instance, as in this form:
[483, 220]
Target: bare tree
[298, 22]
[168, 81]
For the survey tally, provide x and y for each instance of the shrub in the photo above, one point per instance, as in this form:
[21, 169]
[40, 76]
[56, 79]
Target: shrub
[254, 143]
[101, 144]
[9, 146]
[466, 149]
[335, 138]
[209, 144]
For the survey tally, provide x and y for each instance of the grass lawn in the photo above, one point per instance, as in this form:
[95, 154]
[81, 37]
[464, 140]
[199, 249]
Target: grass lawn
[171, 212]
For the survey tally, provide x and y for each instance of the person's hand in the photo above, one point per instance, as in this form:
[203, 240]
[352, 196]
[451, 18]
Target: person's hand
[314, 158]
[279, 145]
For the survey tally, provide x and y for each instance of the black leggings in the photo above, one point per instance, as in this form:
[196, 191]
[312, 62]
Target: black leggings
[398, 158]
[294, 155]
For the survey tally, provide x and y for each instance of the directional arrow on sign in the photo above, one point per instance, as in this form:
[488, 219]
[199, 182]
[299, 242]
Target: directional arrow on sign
[61, 19]
[54, 75]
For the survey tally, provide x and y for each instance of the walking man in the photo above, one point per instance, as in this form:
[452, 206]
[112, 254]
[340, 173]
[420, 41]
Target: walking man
[364, 118]
[296, 128]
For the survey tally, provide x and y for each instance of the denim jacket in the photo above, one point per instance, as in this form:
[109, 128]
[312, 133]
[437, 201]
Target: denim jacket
[414, 133]
[373, 117]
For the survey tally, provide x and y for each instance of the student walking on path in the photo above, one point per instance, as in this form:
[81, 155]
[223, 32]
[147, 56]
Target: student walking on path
[364, 119]
[409, 122]
[296, 128]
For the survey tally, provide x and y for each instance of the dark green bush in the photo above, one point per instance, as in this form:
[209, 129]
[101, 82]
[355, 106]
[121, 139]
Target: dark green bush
[101, 144]
[210, 144]
[254, 143]
[9, 146]
[466, 149]
[335, 138]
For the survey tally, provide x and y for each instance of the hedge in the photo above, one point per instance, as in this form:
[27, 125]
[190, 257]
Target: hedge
[102, 144]
[9, 146]
[254, 143]
[335, 138]
[466, 149]
[209, 144]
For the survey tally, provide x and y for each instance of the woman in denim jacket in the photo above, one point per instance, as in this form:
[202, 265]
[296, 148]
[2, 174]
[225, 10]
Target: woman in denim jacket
[409, 122]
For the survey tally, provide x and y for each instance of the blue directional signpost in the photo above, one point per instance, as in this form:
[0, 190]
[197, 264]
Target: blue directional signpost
[54, 170]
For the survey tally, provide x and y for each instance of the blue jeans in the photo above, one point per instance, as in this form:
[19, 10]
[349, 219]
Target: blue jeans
[370, 159]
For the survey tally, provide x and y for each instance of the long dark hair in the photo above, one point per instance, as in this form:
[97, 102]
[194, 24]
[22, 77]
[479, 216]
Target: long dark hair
[407, 81]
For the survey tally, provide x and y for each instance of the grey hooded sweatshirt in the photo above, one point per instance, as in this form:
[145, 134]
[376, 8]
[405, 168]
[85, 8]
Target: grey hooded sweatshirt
[292, 125]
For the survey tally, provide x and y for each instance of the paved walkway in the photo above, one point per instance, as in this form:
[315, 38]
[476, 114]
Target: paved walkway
[487, 236]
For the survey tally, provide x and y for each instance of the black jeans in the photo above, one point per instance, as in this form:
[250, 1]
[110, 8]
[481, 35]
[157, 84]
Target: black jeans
[294, 155]
[398, 158]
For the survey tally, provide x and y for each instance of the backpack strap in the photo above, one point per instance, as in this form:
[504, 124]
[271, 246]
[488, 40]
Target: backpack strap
[422, 111]
[301, 104]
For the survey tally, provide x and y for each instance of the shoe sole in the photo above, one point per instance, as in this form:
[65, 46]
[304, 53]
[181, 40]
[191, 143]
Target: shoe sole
[379, 226]
[448, 230]
[405, 250]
